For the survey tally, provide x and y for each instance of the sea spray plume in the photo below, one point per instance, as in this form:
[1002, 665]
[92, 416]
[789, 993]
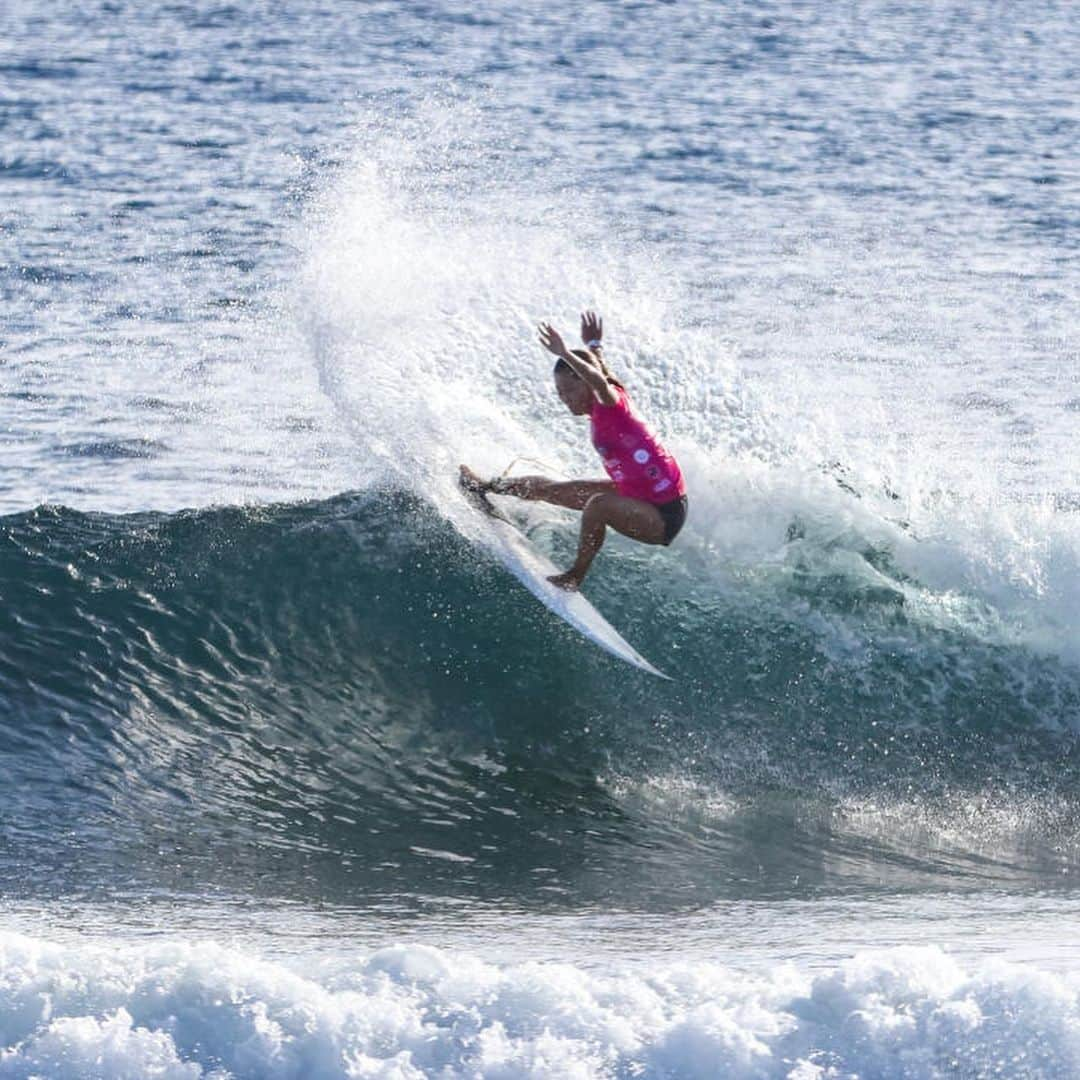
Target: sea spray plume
[429, 254]
[421, 288]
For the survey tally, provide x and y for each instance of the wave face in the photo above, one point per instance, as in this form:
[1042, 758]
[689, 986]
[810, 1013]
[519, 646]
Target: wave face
[348, 699]
[185, 1012]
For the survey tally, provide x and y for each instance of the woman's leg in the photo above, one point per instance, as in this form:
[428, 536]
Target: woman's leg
[572, 494]
[634, 518]
[600, 505]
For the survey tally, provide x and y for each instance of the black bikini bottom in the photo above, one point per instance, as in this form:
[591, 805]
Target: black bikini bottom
[674, 515]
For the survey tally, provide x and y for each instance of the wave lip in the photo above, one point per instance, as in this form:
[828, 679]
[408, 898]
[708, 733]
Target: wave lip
[189, 1011]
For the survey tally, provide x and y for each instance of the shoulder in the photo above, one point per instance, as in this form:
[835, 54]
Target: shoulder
[616, 397]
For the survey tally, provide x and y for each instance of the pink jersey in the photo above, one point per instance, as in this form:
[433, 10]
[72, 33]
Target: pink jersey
[632, 454]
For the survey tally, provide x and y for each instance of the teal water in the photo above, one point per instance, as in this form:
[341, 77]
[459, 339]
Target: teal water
[347, 691]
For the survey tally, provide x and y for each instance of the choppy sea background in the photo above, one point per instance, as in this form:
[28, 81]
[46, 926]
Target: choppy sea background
[296, 781]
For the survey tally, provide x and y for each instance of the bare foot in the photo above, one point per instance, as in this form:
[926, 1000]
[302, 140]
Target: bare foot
[471, 482]
[569, 581]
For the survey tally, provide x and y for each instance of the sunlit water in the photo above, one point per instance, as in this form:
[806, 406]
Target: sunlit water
[297, 781]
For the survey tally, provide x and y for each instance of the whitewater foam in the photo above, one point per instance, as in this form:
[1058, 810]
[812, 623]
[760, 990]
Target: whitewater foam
[185, 1011]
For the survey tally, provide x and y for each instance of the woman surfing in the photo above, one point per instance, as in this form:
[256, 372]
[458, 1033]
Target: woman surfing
[645, 497]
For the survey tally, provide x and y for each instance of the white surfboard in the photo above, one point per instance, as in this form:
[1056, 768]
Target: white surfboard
[532, 569]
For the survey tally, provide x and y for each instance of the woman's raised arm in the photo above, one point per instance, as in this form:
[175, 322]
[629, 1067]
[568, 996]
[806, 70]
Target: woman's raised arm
[591, 373]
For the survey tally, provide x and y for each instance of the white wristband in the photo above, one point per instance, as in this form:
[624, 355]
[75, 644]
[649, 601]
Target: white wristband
[594, 344]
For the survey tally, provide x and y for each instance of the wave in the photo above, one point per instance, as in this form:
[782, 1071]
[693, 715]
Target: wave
[185, 1011]
[350, 693]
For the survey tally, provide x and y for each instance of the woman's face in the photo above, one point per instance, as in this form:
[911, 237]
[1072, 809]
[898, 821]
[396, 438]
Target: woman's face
[573, 393]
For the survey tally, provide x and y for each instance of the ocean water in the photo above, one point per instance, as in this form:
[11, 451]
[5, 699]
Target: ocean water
[296, 781]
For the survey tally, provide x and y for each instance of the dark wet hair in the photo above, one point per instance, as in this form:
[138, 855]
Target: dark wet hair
[561, 365]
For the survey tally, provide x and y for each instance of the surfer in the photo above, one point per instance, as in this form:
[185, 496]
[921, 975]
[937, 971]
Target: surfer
[645, 497]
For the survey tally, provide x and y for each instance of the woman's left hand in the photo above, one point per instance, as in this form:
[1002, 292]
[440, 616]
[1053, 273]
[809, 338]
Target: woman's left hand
[592, 328]
[550, 339]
